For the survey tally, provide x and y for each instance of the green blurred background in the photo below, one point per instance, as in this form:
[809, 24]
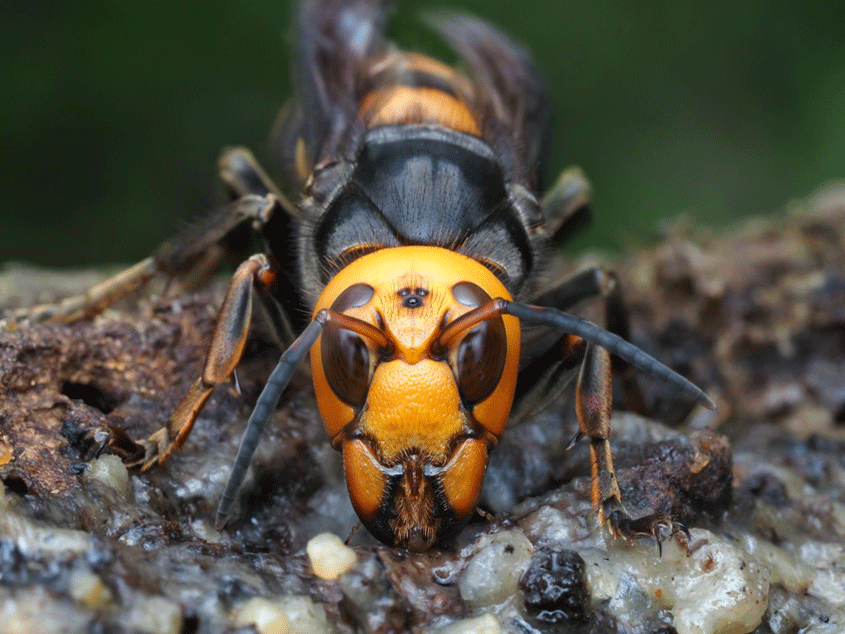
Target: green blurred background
[113, 113]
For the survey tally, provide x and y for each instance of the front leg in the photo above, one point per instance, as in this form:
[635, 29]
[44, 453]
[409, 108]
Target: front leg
[227, 345]
[593, 397]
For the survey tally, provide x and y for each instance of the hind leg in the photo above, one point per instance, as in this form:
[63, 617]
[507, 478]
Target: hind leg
[192, 255]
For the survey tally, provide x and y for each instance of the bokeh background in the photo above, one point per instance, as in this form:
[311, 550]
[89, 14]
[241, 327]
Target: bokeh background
[112, 114]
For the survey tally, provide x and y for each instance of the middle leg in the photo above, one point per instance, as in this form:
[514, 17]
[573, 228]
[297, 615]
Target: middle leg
[548, 364]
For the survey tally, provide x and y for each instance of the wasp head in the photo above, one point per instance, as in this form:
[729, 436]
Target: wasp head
[413, 395]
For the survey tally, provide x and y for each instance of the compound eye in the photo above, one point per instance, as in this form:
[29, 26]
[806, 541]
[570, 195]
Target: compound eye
[481, 354]
[346, 359]
[346, 364]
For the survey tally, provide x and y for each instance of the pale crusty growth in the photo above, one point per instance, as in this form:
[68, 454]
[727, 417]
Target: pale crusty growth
[329, 556]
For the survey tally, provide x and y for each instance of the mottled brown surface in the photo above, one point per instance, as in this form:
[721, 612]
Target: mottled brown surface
[756, 316]
[685, 478]
[411, 575]
[62, 383]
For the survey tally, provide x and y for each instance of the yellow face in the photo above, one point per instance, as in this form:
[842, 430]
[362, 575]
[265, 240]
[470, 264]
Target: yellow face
[414, 415]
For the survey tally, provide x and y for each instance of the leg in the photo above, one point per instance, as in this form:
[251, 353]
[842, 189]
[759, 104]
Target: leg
[243, 176]
[616, 321]
[591, 283]
[566, 205]
[593, 404]
[191, 254]
[94, 301]
[589, 348]
[194, 254]
[593, 407]
[593, 396]
[227, 344]
[547, 365]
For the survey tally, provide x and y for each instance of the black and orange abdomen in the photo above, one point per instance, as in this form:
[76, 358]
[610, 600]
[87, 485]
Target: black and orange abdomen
[414, 89]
